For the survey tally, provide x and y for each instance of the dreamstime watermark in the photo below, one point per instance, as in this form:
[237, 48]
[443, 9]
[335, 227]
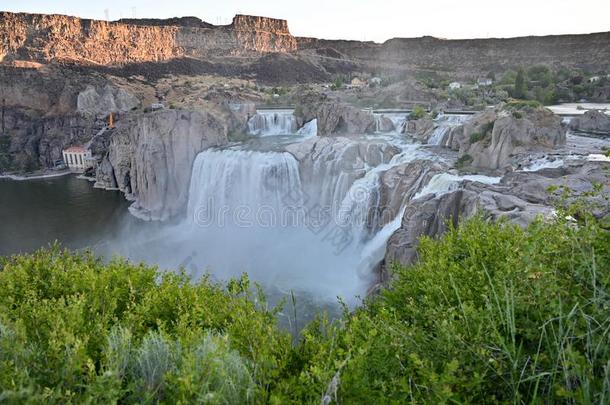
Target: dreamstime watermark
[340, 225]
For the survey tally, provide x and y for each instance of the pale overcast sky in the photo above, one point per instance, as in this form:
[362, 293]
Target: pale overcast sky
[363, 20]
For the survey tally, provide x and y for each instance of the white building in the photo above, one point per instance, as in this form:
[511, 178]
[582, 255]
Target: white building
[78, 158]
[455, 85]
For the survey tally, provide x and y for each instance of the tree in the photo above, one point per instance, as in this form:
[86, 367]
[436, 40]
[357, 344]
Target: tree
[520, 87]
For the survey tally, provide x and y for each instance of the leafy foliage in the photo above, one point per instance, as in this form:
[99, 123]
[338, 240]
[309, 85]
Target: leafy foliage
[492, 313]
[418, 113]
[75, 329]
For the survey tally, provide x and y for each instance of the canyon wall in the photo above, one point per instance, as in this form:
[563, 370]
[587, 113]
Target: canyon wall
[470, 56]
[44, 38]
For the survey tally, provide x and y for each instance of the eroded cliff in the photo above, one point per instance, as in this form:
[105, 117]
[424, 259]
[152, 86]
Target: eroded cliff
[45, 38]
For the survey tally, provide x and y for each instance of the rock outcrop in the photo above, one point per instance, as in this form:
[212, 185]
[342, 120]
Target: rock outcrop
[152, 156]
[29, 142]
[330, 165]
[592, 121]
[520, 197]
[492, 138]
[399, 185]
[420, 129]
[335, 118]
[44, 38]
[106, 100]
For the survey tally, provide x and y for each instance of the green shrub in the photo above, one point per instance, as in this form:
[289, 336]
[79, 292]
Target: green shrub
[492, 313]
[463, 161]
[488, 127]
[476, 137]
[73, 329]
[418, 113]
[523, 104]
[337, 84]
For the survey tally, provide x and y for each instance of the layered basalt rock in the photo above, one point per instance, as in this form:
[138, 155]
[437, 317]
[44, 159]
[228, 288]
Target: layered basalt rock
[44, 38]
[491, 139]
[150, 158]
[593, 121]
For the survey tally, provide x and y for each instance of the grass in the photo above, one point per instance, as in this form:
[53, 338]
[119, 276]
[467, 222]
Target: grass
[491, 313]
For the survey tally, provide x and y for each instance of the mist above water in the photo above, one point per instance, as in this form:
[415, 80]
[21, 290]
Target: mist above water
[249, 211]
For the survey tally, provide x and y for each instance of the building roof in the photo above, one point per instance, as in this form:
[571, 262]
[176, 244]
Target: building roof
[75, 149]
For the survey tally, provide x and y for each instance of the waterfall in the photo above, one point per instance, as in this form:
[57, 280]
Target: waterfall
[273, 122]
[360, 209]
[390, 122]
[309, 129]
[236, 223]
[224, 181]
[446, 182]
[444, 124]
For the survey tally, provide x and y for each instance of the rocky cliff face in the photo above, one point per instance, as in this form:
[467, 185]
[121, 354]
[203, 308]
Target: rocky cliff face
[468, 57]
[595, 122]
[520, 198]
[45, 110]
[491, 139]
[150, 159]
[44, 38]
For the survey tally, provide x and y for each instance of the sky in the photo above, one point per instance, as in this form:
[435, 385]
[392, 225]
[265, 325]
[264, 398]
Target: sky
[377, 20]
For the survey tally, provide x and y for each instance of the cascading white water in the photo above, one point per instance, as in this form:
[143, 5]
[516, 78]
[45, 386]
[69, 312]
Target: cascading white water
[357, 210]
[309, 129]
[444, 124]
[246, 213]
[272, 123]
[446, 182]
[250, 180]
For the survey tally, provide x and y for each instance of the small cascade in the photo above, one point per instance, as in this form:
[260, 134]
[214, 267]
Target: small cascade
[309, 129]
[444, 124]
[273, 123]
[390, 122]
[360, 208]
[543, 163]
[446, 182]
[438, 136]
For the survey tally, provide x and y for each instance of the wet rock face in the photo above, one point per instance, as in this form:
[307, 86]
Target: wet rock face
[592, 121]
[493, 137]
[399, 185]
[329, 166]
[152, 156]
[420, 129]
[520, 197]
[384, 124]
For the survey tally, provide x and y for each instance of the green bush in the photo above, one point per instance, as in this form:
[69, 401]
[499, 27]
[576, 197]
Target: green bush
[73, 329]
[523, 104]
[476, 137]
[463, 161]
[337, 84]
[418, 113]
[492, 313]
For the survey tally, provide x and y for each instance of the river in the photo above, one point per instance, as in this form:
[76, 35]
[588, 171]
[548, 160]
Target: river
[66, 209]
